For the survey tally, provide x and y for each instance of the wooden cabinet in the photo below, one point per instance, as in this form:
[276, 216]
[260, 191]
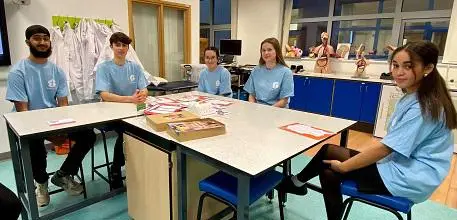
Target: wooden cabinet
[152, 183]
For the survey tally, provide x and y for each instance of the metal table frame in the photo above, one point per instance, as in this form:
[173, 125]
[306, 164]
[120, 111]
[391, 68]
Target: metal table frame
[243, 177]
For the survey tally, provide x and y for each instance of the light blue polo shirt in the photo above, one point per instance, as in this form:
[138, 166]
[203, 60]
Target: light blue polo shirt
[120, 80]
[422, 151]
[217, 82]
[37, 84]
[269, 86]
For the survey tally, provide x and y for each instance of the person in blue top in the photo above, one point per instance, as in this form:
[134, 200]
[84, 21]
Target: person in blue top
[271, 82]
[120, 80]
[36, 83]
[415, 155]
[215, 79]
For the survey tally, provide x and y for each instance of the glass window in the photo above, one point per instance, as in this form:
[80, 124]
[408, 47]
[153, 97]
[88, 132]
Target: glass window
[219, 35]
[205, 18]
[360, 7]
[424, 5]
[306, 35]
[309, 9]
[434, 31]
[222, 12]
[375, 34]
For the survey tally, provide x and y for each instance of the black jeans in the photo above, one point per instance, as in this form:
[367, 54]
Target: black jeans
[368, 179]
[118, 154]
[84, 141]
[10, 205]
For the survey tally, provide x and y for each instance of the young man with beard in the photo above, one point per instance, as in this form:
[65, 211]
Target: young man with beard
[35, 83]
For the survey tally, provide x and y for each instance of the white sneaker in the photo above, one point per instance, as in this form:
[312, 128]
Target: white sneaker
[68, 184]
[42, 194]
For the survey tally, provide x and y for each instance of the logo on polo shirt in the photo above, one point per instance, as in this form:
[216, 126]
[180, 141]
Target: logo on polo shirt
[218, 83]
[275, 85]
[52, 83]
[132, 78]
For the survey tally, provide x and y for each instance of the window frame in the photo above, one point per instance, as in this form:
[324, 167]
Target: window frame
[397, 27]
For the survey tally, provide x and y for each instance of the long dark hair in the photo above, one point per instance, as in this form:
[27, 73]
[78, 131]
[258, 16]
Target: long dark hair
[432, 93]
[279, 58]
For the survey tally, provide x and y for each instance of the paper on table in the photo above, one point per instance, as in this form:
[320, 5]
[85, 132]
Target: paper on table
[61, 121]
[307, 131]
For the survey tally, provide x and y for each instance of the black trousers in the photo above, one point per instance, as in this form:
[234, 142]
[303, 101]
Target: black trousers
[368, 179]
[118, 154]
[10, 205]
[84, 141]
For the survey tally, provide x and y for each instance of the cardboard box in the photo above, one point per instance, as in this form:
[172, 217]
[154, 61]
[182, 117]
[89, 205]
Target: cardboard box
[195, 129]
[159, 122]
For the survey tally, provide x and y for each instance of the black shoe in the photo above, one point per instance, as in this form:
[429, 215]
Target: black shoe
[116, 178]
[288, 186]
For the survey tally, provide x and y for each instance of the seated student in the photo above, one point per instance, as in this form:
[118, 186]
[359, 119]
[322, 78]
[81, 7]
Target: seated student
[215, 79]
[271, 82]
[120, 80]
[36, 83]
[418, 144]
[10, 205]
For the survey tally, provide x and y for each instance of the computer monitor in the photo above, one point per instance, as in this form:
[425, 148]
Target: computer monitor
[4, 48]
[230, 47]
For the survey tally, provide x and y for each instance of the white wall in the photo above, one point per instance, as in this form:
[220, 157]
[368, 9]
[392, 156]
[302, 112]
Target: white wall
[257, 20]
[18, 18]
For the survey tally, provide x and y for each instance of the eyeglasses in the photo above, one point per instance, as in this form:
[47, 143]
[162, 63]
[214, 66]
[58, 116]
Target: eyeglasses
[211, 58]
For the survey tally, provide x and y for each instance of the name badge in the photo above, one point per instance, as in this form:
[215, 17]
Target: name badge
[132, 78]
[218, 83]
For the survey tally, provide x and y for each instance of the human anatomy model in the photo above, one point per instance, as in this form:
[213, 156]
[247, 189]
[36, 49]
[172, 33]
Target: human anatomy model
[361, 63]
[323, 53]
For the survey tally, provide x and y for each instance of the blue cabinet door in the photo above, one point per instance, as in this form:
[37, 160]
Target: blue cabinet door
[319, 95]
[347, 98]
[370, 102]
[298, 101]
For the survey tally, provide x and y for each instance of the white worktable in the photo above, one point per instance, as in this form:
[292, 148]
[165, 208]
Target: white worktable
[253, 142]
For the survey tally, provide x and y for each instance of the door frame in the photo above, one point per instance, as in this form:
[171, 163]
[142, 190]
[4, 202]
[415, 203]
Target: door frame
[160, 26]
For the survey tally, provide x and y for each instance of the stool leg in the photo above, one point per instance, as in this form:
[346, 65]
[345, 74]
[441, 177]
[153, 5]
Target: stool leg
[348, 209]
[409, 215]
[83, 183]
[92, 161]
[271, 195]
[281, 207]
[106, 158]
[200, 206]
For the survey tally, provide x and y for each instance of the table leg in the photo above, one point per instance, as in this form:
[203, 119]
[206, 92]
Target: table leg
[344, 138]
[182, 184]
[17, 166]
[29, 183]
[243, 197]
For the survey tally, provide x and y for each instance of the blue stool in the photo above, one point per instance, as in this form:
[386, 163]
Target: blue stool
[392, 204]
[223, 188]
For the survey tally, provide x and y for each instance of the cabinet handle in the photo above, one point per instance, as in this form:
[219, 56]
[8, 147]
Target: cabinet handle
[304, 84]
[366, 88]
[309, 82]
[360, 88]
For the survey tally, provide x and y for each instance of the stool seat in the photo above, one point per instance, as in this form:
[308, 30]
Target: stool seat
[224, 185]
[349, 188]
